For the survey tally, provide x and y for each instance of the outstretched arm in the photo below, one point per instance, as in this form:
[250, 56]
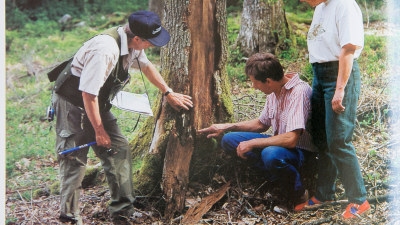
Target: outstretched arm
[216, 130]
[176, 100]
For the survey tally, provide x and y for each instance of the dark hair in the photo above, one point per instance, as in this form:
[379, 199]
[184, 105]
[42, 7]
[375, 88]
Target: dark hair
[263, 66]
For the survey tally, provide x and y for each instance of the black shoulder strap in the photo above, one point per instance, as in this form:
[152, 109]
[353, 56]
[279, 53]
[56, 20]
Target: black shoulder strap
[54, 73]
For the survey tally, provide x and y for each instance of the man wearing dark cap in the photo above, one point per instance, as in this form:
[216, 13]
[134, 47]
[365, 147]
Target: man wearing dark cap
[98, 71]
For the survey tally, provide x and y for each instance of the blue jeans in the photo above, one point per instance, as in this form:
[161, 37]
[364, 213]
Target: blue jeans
[332, 133]
[279, 164]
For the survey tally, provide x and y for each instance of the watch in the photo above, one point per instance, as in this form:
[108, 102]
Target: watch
[169, 90]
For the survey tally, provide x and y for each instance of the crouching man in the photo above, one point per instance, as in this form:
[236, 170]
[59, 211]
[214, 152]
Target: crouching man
[287, 111]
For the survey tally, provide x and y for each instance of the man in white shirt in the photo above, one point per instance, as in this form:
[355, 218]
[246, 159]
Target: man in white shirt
[98, 71]
[335, 41]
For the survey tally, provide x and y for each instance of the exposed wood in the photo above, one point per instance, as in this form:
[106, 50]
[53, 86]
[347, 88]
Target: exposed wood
[176, 174]
[192, 78]
[192, 63]
[195, 213]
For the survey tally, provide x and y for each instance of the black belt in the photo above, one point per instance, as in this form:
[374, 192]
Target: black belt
[331, 63]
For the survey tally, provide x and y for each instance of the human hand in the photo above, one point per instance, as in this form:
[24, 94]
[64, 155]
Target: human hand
[102, 139]
[337, 101]
[214, 130]
[243, 148]
[179, 101]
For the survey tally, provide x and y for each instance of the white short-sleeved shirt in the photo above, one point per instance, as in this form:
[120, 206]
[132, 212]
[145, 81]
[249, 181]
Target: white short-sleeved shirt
[335, 23]
[95, 60]
[290, 110]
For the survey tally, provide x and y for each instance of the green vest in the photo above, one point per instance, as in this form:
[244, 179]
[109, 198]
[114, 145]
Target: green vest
[67, 85]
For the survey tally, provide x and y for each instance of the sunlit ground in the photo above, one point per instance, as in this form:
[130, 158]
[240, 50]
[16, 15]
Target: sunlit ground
[394, 70]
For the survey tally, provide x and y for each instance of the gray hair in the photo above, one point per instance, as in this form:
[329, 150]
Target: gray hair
[128, 31]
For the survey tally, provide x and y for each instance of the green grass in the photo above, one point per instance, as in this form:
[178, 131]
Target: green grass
[374, 56]
[27, 134]
[300, 17]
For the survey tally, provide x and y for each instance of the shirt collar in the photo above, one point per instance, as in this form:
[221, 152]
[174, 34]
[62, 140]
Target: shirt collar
[294, 80]
[124, 41]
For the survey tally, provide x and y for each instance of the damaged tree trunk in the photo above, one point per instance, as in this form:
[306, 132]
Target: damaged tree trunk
[198, 73]
[193, 63]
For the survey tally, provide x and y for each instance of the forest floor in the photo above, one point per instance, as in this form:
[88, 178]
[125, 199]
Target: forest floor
[247, 198]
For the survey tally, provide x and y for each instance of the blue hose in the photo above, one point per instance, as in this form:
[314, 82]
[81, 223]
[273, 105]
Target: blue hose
[77, 148]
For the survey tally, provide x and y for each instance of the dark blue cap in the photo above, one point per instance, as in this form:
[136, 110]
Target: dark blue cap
[147, 25]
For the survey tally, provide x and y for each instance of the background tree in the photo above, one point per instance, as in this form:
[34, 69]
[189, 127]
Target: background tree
[157, 7]
[22, 12]
[263, 27]
[193, 63]
[370, 9]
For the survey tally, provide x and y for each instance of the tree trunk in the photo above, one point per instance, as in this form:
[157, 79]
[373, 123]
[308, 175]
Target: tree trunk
[157, 7]
[193, 63]
[263, 27]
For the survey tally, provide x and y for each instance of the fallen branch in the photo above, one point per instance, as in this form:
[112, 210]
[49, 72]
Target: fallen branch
[195, 213]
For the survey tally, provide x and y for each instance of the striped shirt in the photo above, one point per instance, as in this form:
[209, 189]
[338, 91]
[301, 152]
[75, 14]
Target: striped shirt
[290, 111]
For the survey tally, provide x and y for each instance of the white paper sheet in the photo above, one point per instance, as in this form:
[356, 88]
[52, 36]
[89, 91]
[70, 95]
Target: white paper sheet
[133, 102]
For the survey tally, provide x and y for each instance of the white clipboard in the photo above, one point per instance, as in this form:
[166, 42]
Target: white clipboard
[132, 102]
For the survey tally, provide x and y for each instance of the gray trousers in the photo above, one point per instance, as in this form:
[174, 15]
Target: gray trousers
[73, 129]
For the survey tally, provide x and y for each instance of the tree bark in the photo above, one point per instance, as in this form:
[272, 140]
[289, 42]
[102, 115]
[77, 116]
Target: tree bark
[263, 27]
[193, 63]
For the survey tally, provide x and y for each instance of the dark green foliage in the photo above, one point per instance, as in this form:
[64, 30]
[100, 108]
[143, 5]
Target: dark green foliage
[234, 5]
[296, 6]
[15, 18]
[20, 12]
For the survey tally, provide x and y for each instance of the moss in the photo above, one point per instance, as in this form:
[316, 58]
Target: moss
[90, 178]
[40, 192]
[225, 98]
[147, 168]
[137, 163]
[142, 141]
[227, 103]
[55, 188]
[147, 179]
